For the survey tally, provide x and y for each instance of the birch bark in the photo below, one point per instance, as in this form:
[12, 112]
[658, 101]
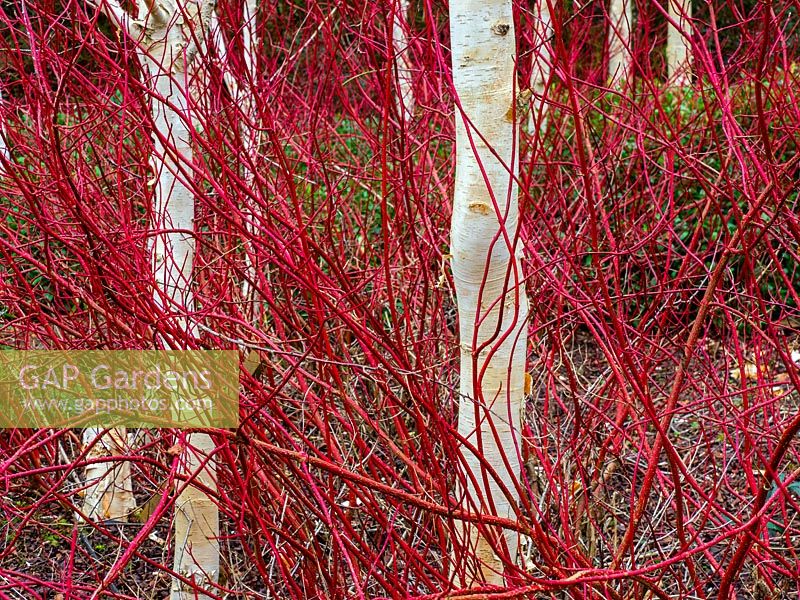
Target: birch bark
[541, 65]
[108, 493]
[4, 153]
[404, 99]
[241, 86]
[620, 16]
[196, 521]
[679, 59]
[166, 34]
[492, 305]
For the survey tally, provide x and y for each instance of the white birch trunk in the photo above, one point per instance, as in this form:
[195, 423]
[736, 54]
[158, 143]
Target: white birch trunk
[167, 33]
[679, 57]
[404, 99]
[249, 129]
[196, 524]
[173, 251]
[251, 133]
[492, 305]
[541, 65]
[108, 493]
[196, 521]
[4, 153]
[620, 16]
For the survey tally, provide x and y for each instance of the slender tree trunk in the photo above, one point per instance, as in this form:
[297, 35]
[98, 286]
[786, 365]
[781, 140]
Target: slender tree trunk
[240, 86]
[197, 521]
[196, 525]
[620, 16]
[679, 57]
[109, 493]
[492, 305]
[167, 34]
[541, 65]
[404, 99]
[251, 134]
[4, 153]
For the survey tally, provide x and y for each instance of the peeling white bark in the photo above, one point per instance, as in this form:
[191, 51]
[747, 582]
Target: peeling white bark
[492, 305]
[404, 98]
[249, 130]
[679, 51]
[541, 65]
[167, 33]
[251, 133]
[108, 494]
[172, 250]
[196, 524]
[620, 16]
[4, 153]
[196, 521]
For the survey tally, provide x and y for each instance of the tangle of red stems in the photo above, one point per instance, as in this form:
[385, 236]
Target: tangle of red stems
[660, 236]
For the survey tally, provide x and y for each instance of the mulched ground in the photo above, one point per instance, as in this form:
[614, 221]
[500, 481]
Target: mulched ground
[43, 548]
